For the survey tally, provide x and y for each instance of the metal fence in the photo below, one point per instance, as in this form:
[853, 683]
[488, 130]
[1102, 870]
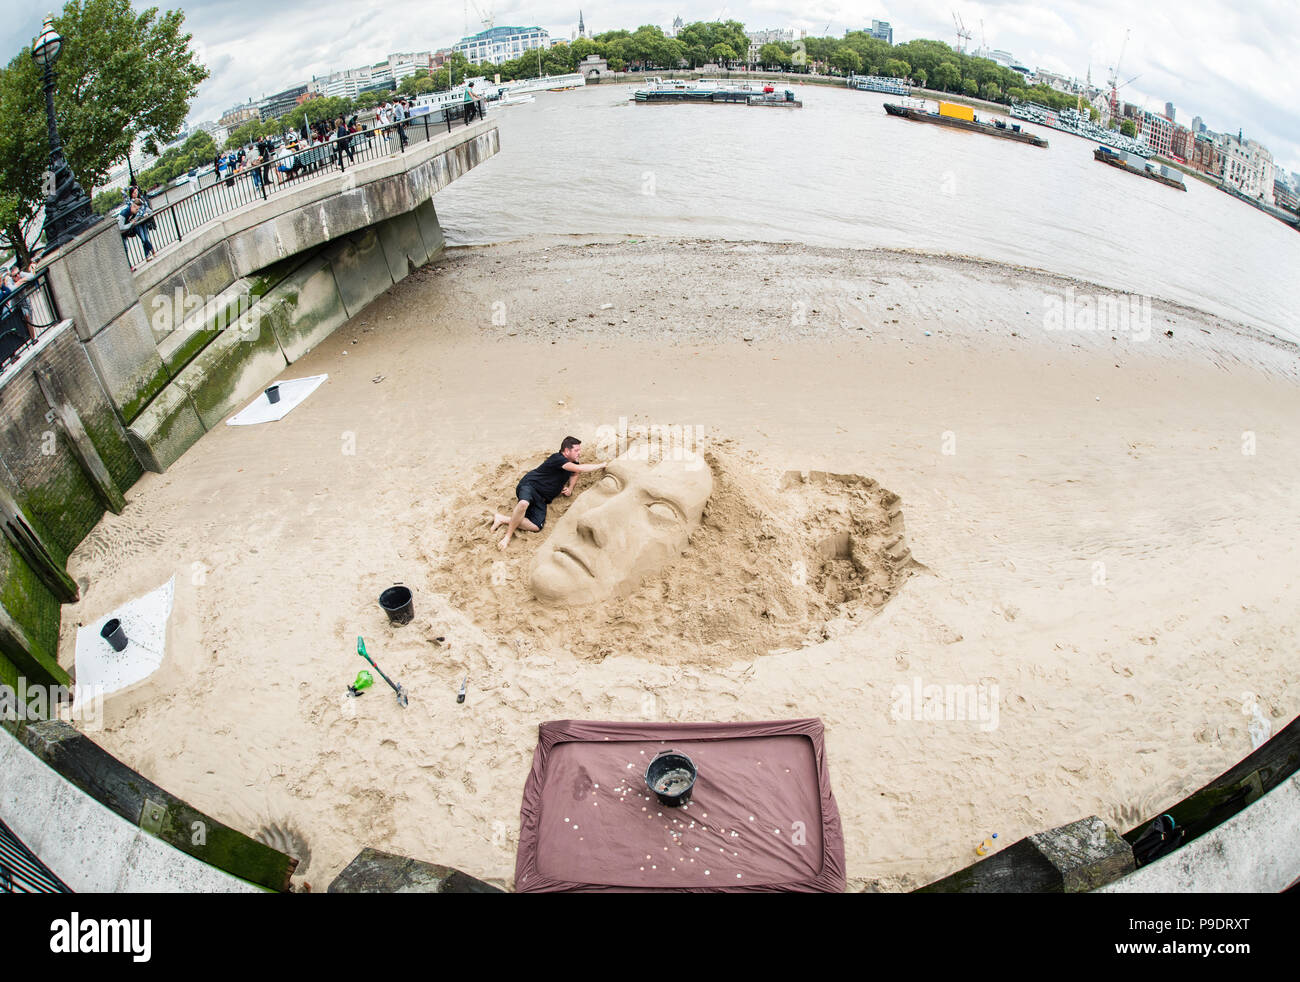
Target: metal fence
[171, 223]
[21, 871]
[25, 314]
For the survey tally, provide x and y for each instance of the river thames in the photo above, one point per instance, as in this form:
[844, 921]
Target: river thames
[842, 173]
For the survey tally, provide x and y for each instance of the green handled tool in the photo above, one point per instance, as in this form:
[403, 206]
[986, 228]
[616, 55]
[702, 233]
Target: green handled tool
[364, 681]
[401, 693]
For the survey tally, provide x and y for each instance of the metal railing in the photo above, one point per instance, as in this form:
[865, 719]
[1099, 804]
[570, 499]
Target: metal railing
[25, 314]
[171, 223]
[21, 871]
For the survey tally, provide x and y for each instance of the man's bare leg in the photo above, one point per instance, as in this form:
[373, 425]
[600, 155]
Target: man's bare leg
[516, 521]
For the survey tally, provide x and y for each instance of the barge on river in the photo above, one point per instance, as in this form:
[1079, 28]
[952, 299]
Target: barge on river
[1143, 168]
[963, 118]
[715, 92]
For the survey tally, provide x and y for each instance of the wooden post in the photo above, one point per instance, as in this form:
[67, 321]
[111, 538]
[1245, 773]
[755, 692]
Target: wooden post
[29, 659]
[34, 551]
[82, 447]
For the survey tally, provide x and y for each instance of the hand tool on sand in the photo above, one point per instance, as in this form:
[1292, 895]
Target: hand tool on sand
[460, 696]
[401, 693]
[364, 681]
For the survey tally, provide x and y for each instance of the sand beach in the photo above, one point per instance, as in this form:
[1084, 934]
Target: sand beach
[928, 472]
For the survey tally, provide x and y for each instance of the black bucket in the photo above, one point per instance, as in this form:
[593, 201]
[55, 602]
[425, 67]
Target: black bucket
[398, 604]
[273, 394]
[671, 776]
[112, 633]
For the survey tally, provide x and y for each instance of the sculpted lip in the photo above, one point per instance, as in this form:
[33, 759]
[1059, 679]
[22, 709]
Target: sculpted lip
[565, 551]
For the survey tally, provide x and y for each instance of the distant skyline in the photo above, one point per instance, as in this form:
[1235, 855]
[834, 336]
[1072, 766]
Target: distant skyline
[1210, 58]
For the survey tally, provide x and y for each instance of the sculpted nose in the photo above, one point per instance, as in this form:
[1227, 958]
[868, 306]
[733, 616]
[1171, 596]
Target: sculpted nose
[597, 525]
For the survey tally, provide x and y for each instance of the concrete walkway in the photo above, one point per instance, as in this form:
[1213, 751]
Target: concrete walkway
[88, 847]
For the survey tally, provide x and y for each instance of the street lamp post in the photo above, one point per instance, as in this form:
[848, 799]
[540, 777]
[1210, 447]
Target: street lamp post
[68, 212]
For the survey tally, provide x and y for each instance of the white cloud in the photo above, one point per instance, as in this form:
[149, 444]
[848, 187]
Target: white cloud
[1228, 63]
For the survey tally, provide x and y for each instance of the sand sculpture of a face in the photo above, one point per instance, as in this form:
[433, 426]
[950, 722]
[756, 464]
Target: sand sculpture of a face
[634, 521]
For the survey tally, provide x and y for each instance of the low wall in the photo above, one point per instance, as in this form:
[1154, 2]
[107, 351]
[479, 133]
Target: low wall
[103, 827]
[294, 307]
[1231, 840]
[134, 376]
[44, 473]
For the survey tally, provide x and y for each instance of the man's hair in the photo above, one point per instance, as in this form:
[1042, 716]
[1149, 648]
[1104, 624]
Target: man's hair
[569, 441]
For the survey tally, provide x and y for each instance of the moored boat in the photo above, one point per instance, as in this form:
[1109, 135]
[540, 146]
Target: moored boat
[1143, 168]
[715, 92]
[963, 118]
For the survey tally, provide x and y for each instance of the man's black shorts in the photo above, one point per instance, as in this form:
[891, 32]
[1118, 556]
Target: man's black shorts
[536, 512]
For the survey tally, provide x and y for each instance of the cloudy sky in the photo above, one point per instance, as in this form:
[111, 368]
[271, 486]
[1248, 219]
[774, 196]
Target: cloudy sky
[1224, 61]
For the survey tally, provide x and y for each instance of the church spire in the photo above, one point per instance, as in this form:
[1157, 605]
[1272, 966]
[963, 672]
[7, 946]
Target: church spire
[582, 30]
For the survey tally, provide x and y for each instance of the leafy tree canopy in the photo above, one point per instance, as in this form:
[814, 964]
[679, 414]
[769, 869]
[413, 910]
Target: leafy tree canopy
[121, 76]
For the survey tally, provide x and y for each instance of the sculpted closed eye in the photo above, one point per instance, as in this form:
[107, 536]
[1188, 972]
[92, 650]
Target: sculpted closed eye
[609, 483]
[661, 509]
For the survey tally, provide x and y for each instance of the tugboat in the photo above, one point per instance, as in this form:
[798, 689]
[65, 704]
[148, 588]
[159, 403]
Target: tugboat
[1143, 168]
[963, 118]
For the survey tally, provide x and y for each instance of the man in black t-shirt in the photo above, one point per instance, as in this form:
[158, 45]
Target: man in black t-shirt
[556, 475]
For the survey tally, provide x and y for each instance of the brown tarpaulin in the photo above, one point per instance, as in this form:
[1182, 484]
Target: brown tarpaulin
[761, 816]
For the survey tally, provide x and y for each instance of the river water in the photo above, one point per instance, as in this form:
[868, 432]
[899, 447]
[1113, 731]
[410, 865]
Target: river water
[840, 172]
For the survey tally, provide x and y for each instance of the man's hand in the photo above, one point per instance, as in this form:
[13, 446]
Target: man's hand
[567, 490]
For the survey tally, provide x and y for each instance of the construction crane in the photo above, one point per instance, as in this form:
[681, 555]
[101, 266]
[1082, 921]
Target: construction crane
[488, 21]
[963, 35]
[984, 41]
[1114, 78]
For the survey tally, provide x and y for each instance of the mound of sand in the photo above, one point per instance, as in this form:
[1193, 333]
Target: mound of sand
[767, 569]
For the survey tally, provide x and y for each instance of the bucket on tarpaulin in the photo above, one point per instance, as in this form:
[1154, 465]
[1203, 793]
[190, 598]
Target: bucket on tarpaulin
[398, 604]
[671, 776]
[273, 394]
[112, 633]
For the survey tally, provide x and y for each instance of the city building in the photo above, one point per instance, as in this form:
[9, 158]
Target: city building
[1262, 168]
[1247, 166]
[1101, 103]
[677, 27]
[1198, 124]
[406, 64]
[759, 38]
[234, 118]
[582, 28]
[1181, 144]
[1169, 111]
[1060, 83]
[1158, 131]
[1205, 156]
[498, 44]
[1284, 195]
[881, 31]
[275, 106]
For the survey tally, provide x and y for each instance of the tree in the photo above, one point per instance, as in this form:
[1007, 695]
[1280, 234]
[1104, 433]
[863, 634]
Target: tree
[772, 55]
[723, 54]
[196, 151]
[897, 68]
[947, 77]
[970, 87]
[845, 59]
[122, 77]
[1128, 127]
[414, 85]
